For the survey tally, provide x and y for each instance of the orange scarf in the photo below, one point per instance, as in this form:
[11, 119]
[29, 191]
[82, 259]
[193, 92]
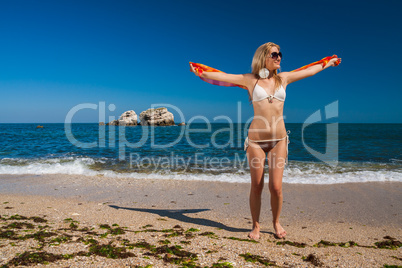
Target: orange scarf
[324, 62]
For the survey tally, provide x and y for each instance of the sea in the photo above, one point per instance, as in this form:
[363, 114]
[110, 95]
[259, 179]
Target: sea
[318, 153]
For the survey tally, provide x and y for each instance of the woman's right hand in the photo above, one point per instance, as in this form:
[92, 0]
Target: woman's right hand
[236, 79]
[192, 69]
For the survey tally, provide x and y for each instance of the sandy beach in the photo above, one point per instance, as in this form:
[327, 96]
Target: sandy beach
[80, 221]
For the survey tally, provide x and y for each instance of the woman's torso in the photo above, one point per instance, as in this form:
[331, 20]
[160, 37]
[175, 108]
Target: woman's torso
[268, 120]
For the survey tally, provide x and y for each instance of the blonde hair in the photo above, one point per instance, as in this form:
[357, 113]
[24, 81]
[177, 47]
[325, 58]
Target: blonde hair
[259, 59]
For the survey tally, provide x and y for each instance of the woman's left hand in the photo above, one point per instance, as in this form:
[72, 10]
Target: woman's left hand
[334, 62]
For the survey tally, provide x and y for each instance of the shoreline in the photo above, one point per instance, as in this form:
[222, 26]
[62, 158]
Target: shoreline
[365, 213]
[372, 203]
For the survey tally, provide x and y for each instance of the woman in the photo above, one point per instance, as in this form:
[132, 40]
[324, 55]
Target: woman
[267, 136]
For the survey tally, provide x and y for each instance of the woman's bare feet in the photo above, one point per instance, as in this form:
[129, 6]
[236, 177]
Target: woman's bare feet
[279, 231]
[255, 233]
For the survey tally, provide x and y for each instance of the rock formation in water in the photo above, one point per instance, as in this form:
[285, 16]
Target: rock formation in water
[157, 117]
[128, 118]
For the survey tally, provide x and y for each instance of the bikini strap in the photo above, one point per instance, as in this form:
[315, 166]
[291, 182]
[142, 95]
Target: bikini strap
[251, 95]
[256, 83]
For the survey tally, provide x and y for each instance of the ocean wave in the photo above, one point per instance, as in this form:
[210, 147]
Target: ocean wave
[295, 172]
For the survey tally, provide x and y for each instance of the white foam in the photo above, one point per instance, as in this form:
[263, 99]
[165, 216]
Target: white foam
[51, 166]
[304, 173]
[346, 177]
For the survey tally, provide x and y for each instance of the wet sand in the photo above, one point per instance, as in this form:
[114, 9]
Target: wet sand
[313, 215]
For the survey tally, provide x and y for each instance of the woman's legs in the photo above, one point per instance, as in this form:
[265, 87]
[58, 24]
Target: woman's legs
[256, 160]
[276, 161]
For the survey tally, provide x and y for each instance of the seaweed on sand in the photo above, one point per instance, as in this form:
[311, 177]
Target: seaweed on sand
[8, 234]
[290, 243]
[112, 231]
[17, 217]
[110, 251]
[313, 259]
[256, 258]
[222, 265]
[348, 244]
[241, 239]
[31, 258]
[175, 255]
[389, 243]
[209, 234]
[19, 225]
[324, 243]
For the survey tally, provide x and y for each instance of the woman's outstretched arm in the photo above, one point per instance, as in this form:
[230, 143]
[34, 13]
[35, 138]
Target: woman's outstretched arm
[238, 79]
[291, 77]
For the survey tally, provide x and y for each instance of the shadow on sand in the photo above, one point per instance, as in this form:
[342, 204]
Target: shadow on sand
[180, 215]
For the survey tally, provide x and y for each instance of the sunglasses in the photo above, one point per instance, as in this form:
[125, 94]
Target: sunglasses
[274, 55]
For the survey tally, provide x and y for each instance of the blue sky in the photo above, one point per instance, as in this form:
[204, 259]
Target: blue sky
[55, 55]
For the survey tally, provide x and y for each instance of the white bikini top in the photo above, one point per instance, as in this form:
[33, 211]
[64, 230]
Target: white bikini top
[260, 94]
